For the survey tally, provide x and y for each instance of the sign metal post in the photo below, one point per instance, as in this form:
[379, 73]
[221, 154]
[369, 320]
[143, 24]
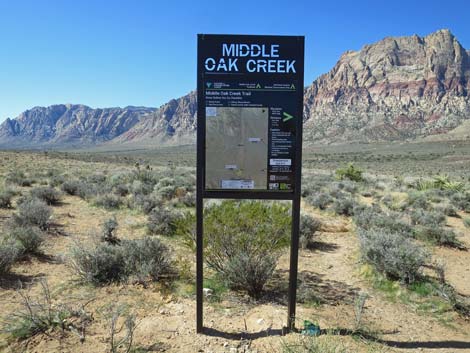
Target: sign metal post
[249, 132]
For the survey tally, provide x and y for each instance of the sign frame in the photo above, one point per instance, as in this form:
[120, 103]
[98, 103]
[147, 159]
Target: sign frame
[202, 193]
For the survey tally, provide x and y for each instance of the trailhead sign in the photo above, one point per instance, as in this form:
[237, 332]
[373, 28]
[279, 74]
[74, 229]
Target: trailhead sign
[249, 132]
[250, 111]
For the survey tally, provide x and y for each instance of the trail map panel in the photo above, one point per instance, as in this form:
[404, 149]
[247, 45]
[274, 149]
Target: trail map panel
[250, 111]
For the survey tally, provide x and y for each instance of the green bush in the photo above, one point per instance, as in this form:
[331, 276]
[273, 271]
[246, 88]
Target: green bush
[33, 212]
[47, 194]
[9, 253]
[350, 172]
[308, 227]
[248, 234]
[392, 254]
[163, 221]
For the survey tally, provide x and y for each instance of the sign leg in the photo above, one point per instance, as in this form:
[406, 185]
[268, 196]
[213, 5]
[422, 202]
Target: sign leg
[199, 263]
[294, 256]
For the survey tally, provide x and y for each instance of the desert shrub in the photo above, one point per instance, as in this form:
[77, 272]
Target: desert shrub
[350, 172]
[392, 254]
[47, 194]
[245, 233]
[139, 187]
[373, 217]
[461, 201]
[146, 203]
[320, 200]
[166, 192]
[163, 221]
[109, 201]
[249, 271]
[106, 263]
[447, 209]
[438, 235]
[9, 253]
[466, 222]
[19, 178]
[189, 199]
[148, 258]
[308, 227]
[344, 206]
[78, 188]
[102, 264]
[6, 197]
[417, 200]
[121, 190]
[28, 239]
[33, 212]
[56, 180]
[109, 230]
[427, 218]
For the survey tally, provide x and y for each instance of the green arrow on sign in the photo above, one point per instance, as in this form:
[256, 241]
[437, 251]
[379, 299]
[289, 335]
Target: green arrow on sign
[287, 117]
[258, 86]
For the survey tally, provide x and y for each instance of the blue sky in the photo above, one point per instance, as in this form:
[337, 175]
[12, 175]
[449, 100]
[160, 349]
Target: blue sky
[118, 53]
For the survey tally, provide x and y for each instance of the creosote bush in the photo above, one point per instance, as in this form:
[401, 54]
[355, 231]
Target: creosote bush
[249, 235]
[33, 212]
[392, 254]
[47, 194]
[350, 172]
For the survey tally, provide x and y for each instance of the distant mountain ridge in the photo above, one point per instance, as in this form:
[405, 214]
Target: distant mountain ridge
[400, 88]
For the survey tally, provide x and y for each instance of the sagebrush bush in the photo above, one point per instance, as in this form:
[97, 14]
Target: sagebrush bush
[392, 254]
[6, 197]
[438, 235]
[466, 222]
[308, 227]
[72, 187]
[143, 259]
[109, 231]
[163, 221]
[373, 217]
[33, 212]
[461, 201]
[148, 258]
[109, 201]
[344, 206]
[102, 264]
[19, 178]
[320, 200]
[146, 203]
[29, 239]
[249, 271]
[427, 218]
[245, 232]
[417, 200]
[9, 253]
[47, 194]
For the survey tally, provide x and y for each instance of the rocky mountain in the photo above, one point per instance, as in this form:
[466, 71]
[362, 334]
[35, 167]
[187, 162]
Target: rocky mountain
[67, 124]
[173, 123]
[400, 88]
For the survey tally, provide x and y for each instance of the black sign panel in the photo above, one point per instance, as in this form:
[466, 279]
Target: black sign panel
[250, 100]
